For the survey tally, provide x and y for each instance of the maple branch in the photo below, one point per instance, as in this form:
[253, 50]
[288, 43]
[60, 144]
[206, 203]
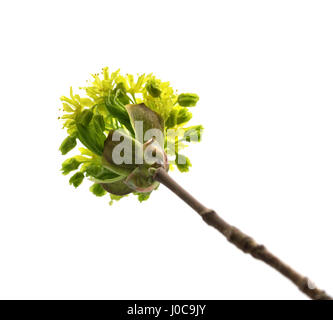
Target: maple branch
[240, 239]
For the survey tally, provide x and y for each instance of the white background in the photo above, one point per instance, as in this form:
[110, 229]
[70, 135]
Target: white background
[264, 73]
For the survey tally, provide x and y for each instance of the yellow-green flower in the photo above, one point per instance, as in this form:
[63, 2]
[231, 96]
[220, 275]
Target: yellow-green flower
[113, 102]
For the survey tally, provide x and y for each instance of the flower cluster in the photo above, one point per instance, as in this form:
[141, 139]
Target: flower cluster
[114, 102]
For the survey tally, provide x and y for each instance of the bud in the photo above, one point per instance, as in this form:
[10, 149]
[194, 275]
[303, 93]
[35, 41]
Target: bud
[183, 116]
[76, 179]
[120, 91]
[193, 133]
[187, 99]
[153, 89]
[97, 190]
[67, 145]
[70, 165]
[183, 163]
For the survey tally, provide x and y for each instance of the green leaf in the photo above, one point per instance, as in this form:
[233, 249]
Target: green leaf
[76, 179]
[149, 119]
[188, 99]
[70, 165]
[97, 190]
[67, 145]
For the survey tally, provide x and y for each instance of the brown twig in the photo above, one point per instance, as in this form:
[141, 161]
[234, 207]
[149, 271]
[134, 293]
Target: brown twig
[240, 239]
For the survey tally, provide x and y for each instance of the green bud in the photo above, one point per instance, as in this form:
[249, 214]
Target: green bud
[76, 179]
[97, 190]
[120, 92]
[193, 133]
[172, 119]
[143, 196]
[153, 89]
[183, 116]
[114, 198]
[177, 116]
[84, 117]
[67, 145]
[183, 163]
[188, 99]
[70, 165]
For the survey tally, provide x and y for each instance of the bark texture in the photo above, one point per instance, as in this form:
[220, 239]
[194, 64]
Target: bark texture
[241, 240]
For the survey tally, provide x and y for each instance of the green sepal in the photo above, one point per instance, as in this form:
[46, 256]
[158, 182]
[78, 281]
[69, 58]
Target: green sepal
[67, 145]
[76, 179]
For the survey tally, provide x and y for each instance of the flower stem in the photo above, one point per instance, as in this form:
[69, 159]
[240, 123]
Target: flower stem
[240, 239]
